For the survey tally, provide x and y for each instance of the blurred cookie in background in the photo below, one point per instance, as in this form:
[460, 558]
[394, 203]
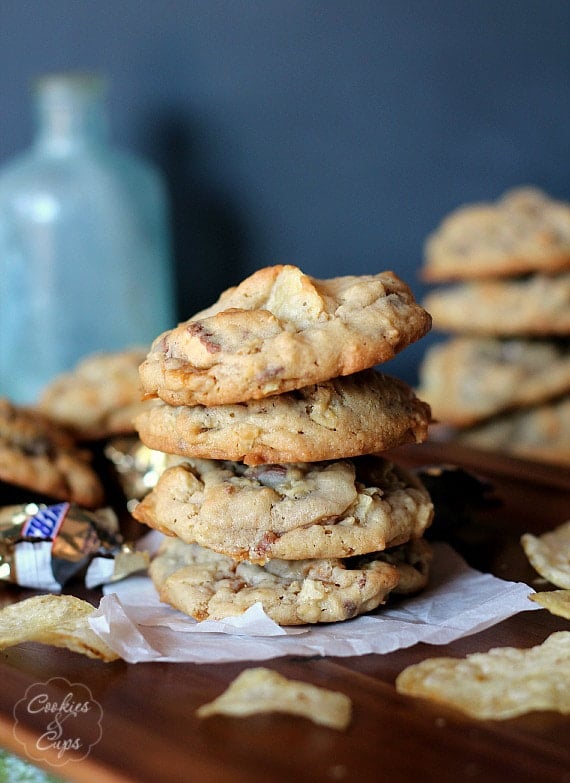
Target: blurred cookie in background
[99, 397]
[469, 379]
[41, 458]
[525, 231]
[500, 380]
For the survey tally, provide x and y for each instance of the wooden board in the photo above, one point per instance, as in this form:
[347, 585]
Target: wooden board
[150, 731]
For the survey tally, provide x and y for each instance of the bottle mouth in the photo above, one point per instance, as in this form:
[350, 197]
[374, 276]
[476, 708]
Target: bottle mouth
[59, 85]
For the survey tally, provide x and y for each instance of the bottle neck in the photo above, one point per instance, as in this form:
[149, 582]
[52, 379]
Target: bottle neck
[70, 113]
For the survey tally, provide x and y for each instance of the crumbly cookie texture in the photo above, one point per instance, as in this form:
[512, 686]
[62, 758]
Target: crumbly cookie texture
[41, 456]
[100, 397]
[538, 305]
[541, 432]
[289, 511]
[345, 417]
[469, 379]
[525, 231]
[207, 585]
[281, 330]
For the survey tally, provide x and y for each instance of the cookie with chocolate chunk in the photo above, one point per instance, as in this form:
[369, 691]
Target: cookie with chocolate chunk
[523, 232]
[281, 330]
[289, 511]
[207, 585]
[468, 379]
[40, 456]
[518, 307]
[358, 414]
[98, 398]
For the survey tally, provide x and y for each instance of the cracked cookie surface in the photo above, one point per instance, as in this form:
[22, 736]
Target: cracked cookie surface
[289, 511]
[281, 330]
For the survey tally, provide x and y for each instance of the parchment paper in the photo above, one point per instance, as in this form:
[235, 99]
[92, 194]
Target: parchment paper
[459, 601]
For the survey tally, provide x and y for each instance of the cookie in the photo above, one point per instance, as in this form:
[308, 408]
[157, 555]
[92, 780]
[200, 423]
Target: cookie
[289, 511]
[468, 379]
[99, 397]
[524, 232]
[40, 456]
[281, 330]
[540, 433]
[358, 414]
[538, 306]
[206, 585]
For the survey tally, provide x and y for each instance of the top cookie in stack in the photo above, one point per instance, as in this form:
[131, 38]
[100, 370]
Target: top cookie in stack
[271, 396]
[503, 377]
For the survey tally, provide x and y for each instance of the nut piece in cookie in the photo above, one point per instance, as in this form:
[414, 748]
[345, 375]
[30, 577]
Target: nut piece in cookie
[42, 457]
[358, 414]
[523, 232]
[100, 397]
[281, 330]
[290, 511]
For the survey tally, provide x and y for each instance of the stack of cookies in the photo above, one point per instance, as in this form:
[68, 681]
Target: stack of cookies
[501, 381]
[279, 495]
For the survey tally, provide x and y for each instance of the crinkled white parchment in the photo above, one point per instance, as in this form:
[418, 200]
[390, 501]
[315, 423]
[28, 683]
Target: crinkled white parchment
[459, 601]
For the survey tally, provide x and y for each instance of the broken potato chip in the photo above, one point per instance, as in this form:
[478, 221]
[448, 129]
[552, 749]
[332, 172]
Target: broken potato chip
[58, 620]
[556, 601]
[501, 683]
[262, 690]
[549, 554]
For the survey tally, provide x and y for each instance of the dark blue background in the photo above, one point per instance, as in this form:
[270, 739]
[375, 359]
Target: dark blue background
[333, 135]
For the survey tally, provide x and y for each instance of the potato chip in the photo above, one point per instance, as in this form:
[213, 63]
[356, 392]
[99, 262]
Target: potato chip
[263, 690]
[556, 601]
[501, 683]
[59, 620]
[549, 554]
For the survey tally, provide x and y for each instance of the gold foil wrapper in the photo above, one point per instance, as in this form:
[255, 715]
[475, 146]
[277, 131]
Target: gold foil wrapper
[44, 546]
[138, 468]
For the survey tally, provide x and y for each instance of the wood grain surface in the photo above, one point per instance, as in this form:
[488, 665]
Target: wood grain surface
[150, 731]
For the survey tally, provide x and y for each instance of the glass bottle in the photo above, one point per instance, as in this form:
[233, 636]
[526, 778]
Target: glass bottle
[84, 242]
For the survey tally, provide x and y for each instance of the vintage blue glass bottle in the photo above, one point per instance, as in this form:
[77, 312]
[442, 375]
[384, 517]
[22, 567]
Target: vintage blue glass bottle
[85, 259]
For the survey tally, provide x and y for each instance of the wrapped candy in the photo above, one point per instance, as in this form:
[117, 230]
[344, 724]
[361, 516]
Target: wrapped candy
[44, 546]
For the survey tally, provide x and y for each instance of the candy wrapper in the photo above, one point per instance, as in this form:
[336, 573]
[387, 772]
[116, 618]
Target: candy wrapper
[137, 467]
[43, 547]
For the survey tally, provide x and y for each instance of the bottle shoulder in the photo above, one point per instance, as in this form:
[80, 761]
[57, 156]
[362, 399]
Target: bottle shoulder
[91, 172]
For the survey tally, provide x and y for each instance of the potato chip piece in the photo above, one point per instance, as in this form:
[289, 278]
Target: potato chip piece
[59, 620]
[501, 683]
[263, 690]
[549, 554]
[556, 601]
